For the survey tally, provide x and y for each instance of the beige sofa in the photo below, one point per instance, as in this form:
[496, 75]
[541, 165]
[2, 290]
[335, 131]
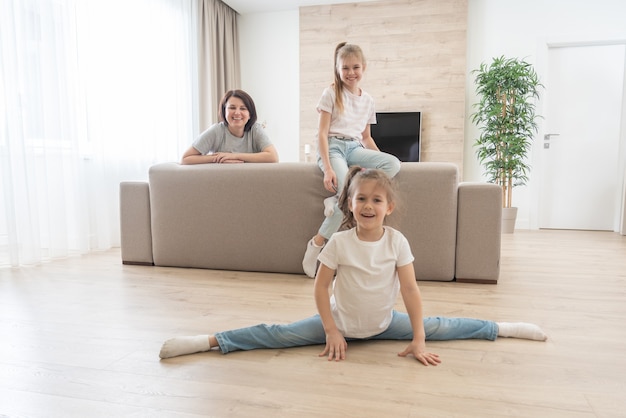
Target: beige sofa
[259, 217]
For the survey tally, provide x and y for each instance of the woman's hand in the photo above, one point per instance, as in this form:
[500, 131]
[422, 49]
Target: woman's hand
[336, 346]
[330, 180]
[418, 349]
[226, 157]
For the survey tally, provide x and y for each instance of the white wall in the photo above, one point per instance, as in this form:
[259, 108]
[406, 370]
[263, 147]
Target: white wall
[270, 67]
[523, 29]
[495, 27]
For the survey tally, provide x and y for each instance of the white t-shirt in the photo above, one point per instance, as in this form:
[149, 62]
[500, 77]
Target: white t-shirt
[366, 284]
[358, 112]
[219, 139]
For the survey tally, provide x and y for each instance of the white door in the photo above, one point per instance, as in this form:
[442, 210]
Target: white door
[580, 186]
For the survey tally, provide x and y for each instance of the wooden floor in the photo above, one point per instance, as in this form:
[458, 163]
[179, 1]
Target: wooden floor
[80, 338]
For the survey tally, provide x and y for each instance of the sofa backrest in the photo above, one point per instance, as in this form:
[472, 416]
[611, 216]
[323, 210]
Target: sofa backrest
[259, 217]
[252, 217]
[427, 216]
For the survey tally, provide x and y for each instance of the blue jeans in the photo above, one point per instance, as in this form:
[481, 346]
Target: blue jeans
[343, 155]
[311, 332]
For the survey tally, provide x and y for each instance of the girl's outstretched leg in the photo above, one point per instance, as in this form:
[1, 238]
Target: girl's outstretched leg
[463, 328]
[521, 330]
[179, 346]
[443, 328]
[309, 331]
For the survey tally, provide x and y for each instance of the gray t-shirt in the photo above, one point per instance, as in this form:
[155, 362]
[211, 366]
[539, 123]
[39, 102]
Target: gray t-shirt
[219, 139]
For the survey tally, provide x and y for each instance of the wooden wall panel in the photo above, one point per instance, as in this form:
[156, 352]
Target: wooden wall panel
[415, 51]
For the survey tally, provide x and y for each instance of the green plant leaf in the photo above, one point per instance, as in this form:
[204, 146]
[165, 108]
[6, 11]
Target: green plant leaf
[507, 90]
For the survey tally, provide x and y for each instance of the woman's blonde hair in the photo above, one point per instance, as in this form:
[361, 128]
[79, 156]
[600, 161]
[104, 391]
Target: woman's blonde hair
[343, 50]
[354, 177]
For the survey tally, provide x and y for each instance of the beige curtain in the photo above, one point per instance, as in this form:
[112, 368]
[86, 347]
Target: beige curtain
[218, 57]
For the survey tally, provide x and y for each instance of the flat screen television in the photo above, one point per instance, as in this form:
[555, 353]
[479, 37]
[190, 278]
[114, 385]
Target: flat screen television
[399, 134]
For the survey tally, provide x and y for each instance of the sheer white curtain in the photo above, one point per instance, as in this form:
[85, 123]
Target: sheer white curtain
[92, 92]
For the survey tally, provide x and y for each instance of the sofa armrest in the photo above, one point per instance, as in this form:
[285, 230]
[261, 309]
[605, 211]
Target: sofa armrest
[135, 229]
[479, 226]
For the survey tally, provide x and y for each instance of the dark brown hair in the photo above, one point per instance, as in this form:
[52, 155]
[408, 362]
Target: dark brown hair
[247, 101]
[355, 176]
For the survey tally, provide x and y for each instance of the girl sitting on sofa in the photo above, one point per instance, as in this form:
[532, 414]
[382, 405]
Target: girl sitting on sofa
[366, 267]
[344, 139]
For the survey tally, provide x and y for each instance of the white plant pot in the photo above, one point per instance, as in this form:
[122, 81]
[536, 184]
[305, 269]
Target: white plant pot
[508, 220]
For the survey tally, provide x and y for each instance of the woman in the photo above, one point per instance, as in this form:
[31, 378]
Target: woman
[237, 138]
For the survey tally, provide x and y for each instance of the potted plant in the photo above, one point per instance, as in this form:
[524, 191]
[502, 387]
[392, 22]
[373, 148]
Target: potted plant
[505, 115]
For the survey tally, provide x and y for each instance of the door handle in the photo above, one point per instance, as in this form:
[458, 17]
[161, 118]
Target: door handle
[546, 137]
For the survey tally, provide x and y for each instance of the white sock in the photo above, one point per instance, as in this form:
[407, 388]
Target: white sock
[309, 263]
[180, 346]
[521, 330]
[329, 206]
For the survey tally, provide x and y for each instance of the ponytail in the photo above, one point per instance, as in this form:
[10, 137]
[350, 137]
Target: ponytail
[338, 85]
[348, 217]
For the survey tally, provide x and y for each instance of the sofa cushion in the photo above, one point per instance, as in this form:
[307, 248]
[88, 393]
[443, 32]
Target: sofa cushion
[252, 217]
[427, 216]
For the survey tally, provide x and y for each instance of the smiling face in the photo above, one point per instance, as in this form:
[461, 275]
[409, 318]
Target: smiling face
[369, 205]
[236, 115]
[350, 69]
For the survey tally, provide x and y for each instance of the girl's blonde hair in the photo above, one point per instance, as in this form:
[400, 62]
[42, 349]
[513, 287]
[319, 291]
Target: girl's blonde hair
[343, 50]
[354, 177]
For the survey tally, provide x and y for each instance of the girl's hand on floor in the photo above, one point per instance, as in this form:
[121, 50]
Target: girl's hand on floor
[336, 347]
[420, 354]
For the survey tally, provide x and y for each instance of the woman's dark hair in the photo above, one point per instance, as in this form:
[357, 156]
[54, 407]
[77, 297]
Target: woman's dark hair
[247, 101]
[355, 175]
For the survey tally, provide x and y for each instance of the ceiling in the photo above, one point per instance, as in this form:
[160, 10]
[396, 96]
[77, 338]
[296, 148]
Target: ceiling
[259, 6]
